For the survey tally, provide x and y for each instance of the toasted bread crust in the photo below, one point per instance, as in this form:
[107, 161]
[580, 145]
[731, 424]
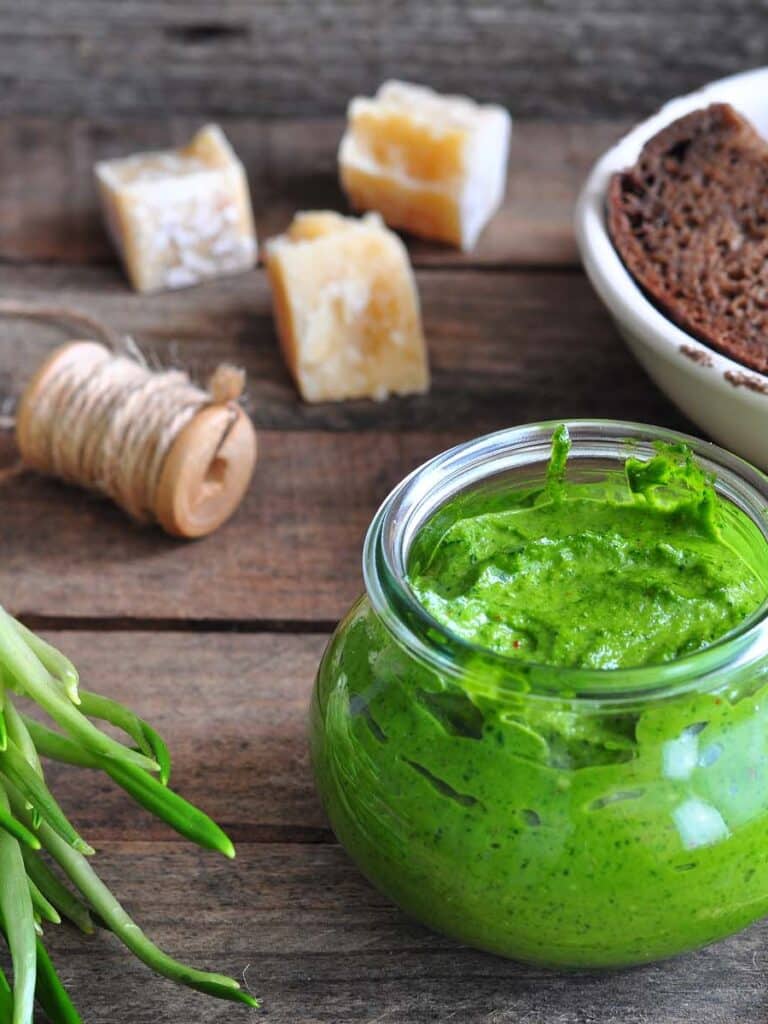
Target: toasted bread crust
[690, 222]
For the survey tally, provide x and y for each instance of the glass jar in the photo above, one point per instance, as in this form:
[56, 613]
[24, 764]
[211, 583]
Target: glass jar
[567, 817]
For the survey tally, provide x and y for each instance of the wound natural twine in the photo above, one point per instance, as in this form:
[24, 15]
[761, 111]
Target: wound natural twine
[159, 446]
[107, 423]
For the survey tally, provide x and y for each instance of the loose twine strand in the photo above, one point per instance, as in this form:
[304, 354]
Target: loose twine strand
[64, 314]
[105, 421]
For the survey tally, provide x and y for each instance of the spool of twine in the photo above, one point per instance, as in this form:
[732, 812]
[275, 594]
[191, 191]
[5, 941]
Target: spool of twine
[162, 448]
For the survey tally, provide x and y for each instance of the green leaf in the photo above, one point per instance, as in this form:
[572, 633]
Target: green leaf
[81, 874]
[15, 828]
[18, 771]
[29, 890]
[57, 747]
[55, 662]
[181, 815]
[6, 1000]
[145, 789]
[51, 994]
[63, 899]
[44, 909]
[18, 922]
[18, 734]
[33, 679]
[145, 737]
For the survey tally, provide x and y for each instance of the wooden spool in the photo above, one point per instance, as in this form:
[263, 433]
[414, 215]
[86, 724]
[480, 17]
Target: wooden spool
[208, 467]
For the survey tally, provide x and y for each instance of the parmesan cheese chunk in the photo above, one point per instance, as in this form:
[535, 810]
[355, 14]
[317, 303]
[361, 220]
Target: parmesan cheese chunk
[346, 308]
[179, 216]
[433, 165]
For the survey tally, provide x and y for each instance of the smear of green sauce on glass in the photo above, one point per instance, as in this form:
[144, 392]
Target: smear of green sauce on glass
[622, 569]
[561, 446]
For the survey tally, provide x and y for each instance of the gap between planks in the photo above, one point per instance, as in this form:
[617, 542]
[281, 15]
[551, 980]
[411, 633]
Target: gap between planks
[124, 624]
[448, 262]
[241, 835]
[49, 208]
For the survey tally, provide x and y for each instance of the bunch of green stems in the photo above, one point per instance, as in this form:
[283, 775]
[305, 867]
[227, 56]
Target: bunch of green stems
[32, 890]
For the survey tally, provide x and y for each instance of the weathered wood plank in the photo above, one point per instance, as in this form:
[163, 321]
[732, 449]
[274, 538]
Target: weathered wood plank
[312, 937]
[48, 205]
[320, 946]
[233, 709]
[500, 347]
[291, 552]
[502, 353]
[283, 57]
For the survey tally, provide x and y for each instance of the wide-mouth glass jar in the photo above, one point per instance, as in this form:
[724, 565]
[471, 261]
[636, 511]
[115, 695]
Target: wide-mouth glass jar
[568, 817]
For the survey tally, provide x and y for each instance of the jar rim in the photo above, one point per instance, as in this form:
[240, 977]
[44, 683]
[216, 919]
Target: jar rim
[419, 496]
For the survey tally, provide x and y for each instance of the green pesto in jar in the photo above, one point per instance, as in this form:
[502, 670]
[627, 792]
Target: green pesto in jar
[557, 830]
[636, 569]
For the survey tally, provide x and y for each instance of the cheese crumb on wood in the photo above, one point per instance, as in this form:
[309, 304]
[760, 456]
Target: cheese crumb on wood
[347, 308]
[433, 165]
[181, 216]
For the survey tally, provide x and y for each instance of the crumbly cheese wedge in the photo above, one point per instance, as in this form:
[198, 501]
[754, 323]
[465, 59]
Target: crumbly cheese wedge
[346, 308]
[433, 165]
[179, 216]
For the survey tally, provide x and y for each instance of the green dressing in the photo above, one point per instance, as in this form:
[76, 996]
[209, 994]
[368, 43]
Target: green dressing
[633, 569]
[566, 832]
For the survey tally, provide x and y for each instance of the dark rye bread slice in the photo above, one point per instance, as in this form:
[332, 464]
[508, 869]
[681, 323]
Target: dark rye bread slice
[690, 222]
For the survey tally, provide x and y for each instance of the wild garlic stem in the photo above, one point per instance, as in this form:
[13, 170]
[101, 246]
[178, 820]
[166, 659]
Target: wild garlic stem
[143, 735]
[17, 770]
[18, 922]
[15, 828]
[58, 666]
[85, 879]
[51, 994]
[17, 732]
[32, 678]
[6, 1000]
[62, 898]
[57, 747]
[30, 817]
[43, 907]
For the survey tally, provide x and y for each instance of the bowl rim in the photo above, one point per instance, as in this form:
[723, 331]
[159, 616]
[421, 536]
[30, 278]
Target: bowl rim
[615, 285]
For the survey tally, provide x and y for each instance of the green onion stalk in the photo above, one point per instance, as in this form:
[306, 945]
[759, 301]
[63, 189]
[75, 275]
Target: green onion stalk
[34, 890]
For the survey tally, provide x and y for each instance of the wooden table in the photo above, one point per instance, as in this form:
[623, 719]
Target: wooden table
[217, 642]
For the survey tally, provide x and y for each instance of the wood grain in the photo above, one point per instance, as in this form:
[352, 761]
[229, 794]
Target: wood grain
[48, 204]
[288, 58]
[315, 941]
[217, 642]
[502, 353]
[320, 946]
[233, 709]
[501, 349]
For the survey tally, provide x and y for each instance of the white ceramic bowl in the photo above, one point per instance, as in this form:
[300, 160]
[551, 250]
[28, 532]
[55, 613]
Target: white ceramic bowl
[727, 400]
